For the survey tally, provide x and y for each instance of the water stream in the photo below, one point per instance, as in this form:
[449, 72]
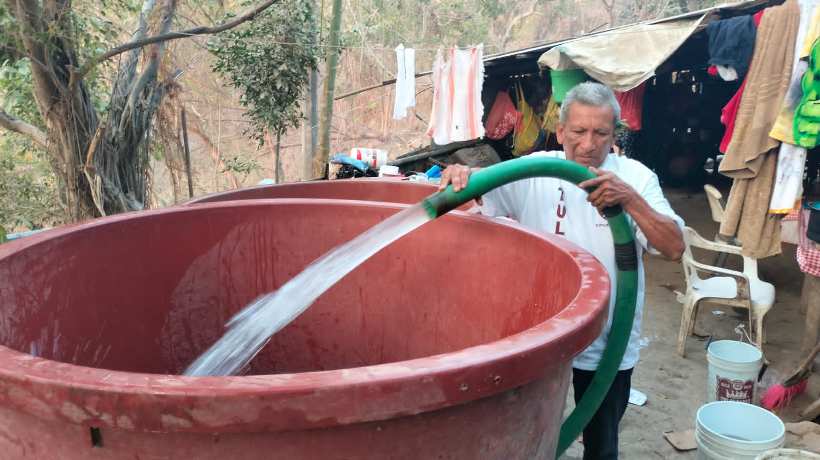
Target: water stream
[251, 328]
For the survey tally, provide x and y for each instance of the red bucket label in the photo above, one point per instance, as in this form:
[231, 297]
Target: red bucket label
[735, 390]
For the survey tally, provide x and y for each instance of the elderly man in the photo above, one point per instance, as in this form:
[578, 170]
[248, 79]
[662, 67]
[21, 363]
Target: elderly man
[586, 130]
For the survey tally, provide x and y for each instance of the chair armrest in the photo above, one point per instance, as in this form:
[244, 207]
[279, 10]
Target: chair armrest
[741, 279]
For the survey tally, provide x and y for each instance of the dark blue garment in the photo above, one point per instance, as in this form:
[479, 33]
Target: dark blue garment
[732, 43]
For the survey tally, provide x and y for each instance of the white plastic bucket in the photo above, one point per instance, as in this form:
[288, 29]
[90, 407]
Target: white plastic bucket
[375, 158]
[788, 454]
[733, 370]
[727, 430]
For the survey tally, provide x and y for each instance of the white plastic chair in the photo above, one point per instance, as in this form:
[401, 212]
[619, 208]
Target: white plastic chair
[715, 198]
[728, 287]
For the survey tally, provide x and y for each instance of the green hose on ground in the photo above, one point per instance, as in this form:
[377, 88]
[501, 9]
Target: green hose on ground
[626, 258]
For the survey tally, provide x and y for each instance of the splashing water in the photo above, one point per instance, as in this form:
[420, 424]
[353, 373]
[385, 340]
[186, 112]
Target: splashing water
[250, 329]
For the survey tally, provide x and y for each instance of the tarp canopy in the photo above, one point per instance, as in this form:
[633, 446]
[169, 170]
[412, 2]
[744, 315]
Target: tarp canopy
[622, 58]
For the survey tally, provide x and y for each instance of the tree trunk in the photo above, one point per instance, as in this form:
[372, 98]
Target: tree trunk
[278, 160]
[320, 157]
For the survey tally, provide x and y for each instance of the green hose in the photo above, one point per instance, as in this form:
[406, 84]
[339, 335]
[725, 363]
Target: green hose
[626, 259]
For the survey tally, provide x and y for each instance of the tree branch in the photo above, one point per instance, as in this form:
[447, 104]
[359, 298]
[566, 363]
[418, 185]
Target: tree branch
[201, 30]
[514, 22]
[19, 126]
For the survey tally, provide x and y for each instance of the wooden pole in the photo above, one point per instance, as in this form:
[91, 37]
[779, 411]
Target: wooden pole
[326, 118]
[187, 154]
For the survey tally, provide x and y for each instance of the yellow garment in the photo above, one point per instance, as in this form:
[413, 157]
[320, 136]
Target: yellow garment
[526, 133]
[783, 129]
[550, 124]
[811, 33]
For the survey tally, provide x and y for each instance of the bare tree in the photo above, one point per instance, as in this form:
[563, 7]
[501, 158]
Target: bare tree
[101, 162]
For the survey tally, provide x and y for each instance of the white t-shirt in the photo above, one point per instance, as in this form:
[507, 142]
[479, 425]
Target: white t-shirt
[553, 206]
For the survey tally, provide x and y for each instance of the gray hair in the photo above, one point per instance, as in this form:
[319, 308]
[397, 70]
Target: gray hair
[592, 94]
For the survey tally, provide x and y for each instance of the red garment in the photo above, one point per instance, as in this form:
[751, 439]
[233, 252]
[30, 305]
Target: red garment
[503, 117]
[712, 70]
[728, 116]
[729, 112]
[632, 106]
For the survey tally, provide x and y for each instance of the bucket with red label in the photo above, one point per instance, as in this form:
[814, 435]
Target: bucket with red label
[733, 370]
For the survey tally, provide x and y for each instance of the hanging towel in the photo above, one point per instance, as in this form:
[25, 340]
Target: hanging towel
[766, 84]
[791, 160]
[747, 217]
[632, 106]
[729, 113]
[405, 81]
[731, 43]
[457, 106]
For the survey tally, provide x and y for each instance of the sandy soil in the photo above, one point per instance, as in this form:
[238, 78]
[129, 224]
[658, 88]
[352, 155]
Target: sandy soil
[676, 386]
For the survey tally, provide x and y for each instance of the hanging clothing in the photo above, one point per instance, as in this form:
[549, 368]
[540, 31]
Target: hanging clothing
[807, 114]
[766, 85]
[791, 160]
[728, 116]
[783, 129]
[632, 106]
[727, 73]
[503, 117]
[457, 106]
[551, 115]
[747, 217]
[405, 81]
[808, 253]
[729, 113]
[732, 43]
[528, 131]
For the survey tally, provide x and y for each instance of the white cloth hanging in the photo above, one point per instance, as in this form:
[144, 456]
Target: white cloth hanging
[788, 185]
[405, 81]
[457, 106]
[727, 73]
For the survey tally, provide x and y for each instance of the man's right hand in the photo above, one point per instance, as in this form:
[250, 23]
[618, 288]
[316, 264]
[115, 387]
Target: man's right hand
[457, 175]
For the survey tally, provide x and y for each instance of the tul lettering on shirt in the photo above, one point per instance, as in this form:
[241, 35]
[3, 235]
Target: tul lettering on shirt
[560, 212]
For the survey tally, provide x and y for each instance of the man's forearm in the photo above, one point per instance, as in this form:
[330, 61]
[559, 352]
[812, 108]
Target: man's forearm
[661, 231]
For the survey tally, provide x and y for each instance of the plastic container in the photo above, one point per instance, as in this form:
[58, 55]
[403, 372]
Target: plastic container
[565, 80]
[416, 354]
[733, 370]
[787, 454]
[375, 158]
[389, 171]
[729, 430]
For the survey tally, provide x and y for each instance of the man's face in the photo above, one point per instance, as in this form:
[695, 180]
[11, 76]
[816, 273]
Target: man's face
[588, 133]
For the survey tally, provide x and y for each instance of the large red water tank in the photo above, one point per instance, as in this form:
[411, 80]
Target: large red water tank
[454, 342]
[366, 189]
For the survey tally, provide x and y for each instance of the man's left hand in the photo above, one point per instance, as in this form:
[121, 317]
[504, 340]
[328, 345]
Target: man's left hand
[610, 191]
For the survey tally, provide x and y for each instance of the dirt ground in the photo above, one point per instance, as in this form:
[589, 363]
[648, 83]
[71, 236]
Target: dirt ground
[676, 386]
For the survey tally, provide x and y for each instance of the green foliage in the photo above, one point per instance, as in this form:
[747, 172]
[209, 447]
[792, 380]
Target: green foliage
[423, 23]
[268, 60]
[28, 188]
[241, 165]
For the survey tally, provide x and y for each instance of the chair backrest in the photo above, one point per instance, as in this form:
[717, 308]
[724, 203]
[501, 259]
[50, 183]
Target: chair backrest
[690, 273]
[714, 197]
